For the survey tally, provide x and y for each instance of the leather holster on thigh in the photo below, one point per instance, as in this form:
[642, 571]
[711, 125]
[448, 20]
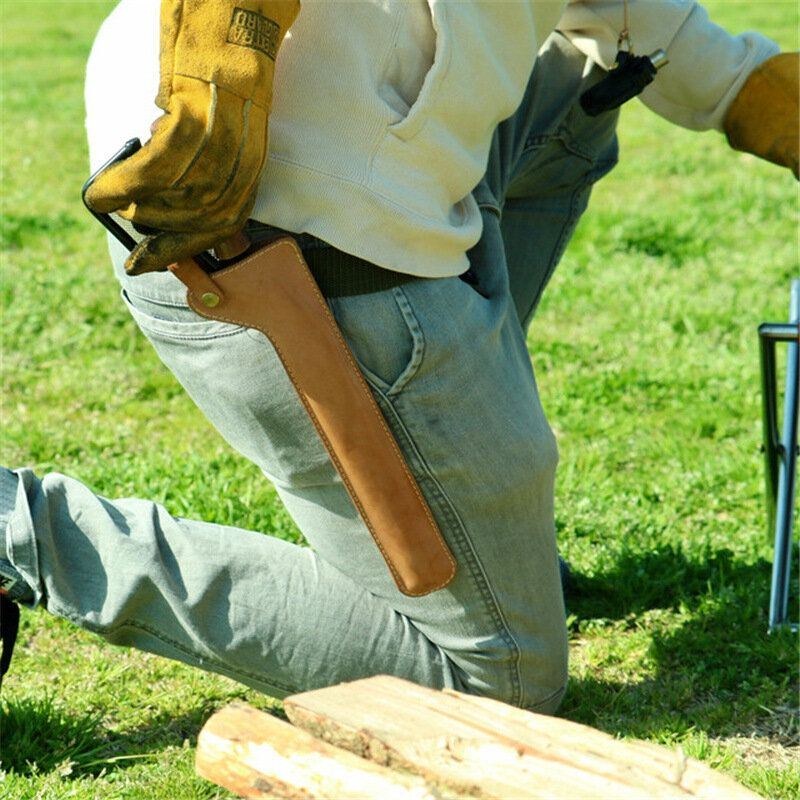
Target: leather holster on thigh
[273, 291]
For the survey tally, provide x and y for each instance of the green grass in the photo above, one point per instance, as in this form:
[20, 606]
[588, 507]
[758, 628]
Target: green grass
[646, 355]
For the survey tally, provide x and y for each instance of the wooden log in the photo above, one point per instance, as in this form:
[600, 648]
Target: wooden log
[486, 749]
[256, 755]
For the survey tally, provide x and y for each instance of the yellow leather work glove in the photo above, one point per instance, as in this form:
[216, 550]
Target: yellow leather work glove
[196, 178]
[764, 119]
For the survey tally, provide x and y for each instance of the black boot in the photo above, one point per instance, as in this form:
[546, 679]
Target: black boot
[567, 580]
[13, 589]
[9, 625]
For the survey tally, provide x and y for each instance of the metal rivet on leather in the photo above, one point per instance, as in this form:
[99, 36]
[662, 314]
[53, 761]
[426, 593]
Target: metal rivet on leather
[210, 300]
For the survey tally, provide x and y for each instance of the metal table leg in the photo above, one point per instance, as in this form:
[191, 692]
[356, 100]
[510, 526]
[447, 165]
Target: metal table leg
[781, 451]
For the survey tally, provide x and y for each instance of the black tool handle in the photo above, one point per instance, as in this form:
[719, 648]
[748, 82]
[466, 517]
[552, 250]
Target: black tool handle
[628, 79]
[206, 260]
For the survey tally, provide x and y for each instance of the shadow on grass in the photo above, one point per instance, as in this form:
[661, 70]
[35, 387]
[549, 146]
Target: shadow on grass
[710, 663]
[664, 577]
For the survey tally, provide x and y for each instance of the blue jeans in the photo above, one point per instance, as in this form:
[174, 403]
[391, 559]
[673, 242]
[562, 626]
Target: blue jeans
[448, 364]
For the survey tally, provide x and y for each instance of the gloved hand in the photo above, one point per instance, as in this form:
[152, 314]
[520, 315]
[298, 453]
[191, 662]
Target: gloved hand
[197, 177]
[764, 118]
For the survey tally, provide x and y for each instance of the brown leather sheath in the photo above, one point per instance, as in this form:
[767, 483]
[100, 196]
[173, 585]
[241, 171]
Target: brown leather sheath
[274, 292]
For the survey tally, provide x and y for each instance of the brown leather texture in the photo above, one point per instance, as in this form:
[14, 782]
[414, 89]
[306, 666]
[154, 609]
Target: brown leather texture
[273, 291]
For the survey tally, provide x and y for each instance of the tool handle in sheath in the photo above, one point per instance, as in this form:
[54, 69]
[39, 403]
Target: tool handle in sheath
[274, 292]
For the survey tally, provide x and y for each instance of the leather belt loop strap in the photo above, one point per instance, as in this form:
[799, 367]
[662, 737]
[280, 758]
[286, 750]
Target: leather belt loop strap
[273, 291]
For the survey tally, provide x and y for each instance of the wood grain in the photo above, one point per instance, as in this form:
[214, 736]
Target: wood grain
[486, 749]
[258, 756]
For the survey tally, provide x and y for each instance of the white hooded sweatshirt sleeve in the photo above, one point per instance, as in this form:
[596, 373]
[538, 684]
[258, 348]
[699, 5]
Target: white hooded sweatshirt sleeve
[707, 65]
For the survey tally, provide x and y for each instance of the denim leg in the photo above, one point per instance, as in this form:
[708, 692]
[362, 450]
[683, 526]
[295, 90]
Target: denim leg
[448, 365]
[267, 613]
[544, 162]
[466, 413]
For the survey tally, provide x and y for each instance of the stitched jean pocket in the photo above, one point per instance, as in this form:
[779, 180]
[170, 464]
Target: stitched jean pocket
[383, 335]
[168, 320]
[578, 154]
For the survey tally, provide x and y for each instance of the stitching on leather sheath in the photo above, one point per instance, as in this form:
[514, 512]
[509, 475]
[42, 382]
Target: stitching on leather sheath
[382, 422]
[371, 402]
[376, 411]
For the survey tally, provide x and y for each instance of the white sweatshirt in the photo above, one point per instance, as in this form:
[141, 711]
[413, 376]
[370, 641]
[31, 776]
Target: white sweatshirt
[383, 110]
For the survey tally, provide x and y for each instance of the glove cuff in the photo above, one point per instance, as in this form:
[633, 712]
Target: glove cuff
[232, 44]
[764, 119]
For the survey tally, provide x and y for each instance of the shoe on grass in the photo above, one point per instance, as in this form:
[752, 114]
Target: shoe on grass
[568, 586]
[9, 625]
[12, 589]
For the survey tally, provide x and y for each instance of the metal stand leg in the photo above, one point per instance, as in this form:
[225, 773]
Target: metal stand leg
[781, 451]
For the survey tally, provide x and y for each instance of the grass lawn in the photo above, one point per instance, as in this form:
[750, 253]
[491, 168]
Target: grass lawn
[646, 354]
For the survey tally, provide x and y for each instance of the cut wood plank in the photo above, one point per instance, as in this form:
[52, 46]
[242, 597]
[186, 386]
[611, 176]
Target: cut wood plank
[256, 755]
[487, 749]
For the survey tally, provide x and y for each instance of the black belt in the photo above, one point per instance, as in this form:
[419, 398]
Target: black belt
[338, 274]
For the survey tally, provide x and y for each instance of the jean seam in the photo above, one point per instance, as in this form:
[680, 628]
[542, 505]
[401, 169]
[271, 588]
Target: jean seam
[566, 139]
[563, 240]
[417, 346]
[188, 337]
[156, 301]
[553, 696]
[105, 631]
[598, 169]
[169, 329]
[414, 362]
[457, 529]
[538, 140]
[563, 135]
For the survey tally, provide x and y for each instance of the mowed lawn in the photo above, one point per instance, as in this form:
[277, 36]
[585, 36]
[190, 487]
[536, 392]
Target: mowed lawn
[646, 354]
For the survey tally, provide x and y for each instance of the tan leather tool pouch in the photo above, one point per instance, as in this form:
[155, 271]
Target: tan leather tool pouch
[273, 291]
